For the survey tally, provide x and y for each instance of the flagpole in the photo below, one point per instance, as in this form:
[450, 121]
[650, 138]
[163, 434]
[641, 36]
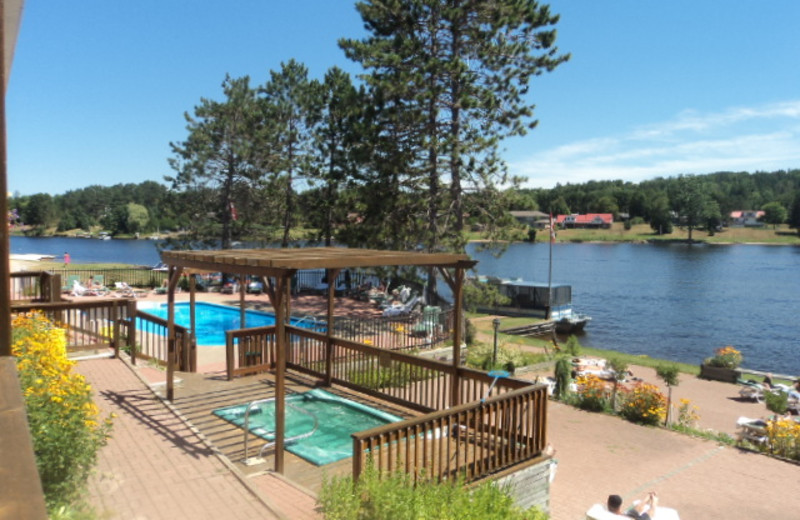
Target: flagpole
[550, 271]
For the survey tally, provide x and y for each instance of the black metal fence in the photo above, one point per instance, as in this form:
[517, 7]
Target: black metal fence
[141, 277]
[419, 330]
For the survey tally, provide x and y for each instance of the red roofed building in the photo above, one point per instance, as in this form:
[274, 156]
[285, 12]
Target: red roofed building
[590, 220]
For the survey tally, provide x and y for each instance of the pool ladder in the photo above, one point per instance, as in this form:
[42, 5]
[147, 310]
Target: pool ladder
[258, 460]
[308, 318]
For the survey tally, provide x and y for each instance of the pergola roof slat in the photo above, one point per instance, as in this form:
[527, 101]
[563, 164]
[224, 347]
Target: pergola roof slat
[274, 261]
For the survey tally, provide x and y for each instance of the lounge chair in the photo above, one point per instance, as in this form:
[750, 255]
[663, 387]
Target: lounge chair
[752, 430]
[80, 290]
[402, 309]
[123, 290]
[752, 390]
[599, 512]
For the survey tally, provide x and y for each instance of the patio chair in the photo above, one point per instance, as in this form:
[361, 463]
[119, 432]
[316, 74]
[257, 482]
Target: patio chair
[751, 430]
[752, 390]
[402, 309]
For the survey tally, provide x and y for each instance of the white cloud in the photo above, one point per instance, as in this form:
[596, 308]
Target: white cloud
[764, 138]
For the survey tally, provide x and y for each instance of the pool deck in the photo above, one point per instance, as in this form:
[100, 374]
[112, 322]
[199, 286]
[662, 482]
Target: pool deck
[175, 462]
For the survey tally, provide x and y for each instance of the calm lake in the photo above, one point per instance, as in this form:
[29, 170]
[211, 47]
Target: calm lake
[672, 301]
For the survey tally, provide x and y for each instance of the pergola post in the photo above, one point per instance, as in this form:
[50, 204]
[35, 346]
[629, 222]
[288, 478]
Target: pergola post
[174, 276]
[281, 295]
[458, 293]
[331, 275]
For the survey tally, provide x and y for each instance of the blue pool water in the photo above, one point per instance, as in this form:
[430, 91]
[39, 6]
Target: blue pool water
[213, 320]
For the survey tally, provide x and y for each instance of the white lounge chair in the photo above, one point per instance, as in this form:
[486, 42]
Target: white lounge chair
[752, 430]
[402, 309]
[754, 391]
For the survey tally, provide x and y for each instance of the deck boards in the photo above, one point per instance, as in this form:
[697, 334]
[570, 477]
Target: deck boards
[199, 394]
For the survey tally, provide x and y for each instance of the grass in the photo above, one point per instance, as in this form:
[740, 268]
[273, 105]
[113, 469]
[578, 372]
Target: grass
[486, 327]
[782, 235]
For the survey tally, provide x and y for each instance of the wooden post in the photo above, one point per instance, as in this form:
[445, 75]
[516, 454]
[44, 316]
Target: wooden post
[280, 370]
[190, 358]
[242, 313]
[174, 276]
[458, 318]
[331, 274]
[5, 245]
[132, 329]
[115, 328]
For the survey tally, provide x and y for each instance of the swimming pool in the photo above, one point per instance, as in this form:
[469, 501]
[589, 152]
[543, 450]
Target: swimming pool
[213, 320]
[337, 419]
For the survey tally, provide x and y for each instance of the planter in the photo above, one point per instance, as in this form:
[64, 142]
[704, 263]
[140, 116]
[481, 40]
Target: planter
[728, 375]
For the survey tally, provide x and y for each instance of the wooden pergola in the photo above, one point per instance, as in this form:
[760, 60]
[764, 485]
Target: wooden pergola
[276, 267]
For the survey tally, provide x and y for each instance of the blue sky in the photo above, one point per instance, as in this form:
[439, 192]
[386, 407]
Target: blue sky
[98, 89]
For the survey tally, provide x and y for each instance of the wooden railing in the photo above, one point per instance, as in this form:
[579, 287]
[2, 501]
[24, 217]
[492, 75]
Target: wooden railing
[93, 324]
[489, 434]
[151, 333]
[469, 441]
[21, 493]
[35, 286]
[411, 381]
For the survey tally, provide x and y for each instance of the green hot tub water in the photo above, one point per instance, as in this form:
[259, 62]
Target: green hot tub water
[337, 419]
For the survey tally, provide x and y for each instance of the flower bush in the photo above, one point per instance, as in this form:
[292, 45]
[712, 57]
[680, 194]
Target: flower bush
[726, 357]
[687, 414]
[643, 404]
[592, 394]
[63, 420]
[784, 437]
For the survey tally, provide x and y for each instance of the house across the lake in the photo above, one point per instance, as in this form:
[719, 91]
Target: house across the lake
[589, 220]
[747, 218]
[534, 219]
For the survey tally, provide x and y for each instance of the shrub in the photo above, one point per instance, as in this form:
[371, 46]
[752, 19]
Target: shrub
[592, 394]
[573, 346]
[63, 419]
[563, 375]
[726, 357]
[396, 496]
[687, 414]
[784, 437]
[643, 404]
[777, 402]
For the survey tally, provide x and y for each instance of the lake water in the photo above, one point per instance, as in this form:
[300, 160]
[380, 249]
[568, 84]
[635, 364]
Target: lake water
[672, 301]
[675, 301]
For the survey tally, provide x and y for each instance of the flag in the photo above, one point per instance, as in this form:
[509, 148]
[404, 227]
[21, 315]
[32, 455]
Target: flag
[234, 215]
[552, 230]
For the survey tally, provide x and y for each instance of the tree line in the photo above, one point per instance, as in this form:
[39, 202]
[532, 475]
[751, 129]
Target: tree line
[406, 156]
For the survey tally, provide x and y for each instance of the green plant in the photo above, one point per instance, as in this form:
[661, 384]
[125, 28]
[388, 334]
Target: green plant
[643, 404]
[726, 357]
[687, 414]
[63, 419]
[669, 374]
[784, 437]
[573, 346]
[563, 375]
[592, 394]
[397, 496]
[777, 402]
[620, 369]
[508, 358]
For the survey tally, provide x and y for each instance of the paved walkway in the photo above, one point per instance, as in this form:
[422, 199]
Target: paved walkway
[157, 467]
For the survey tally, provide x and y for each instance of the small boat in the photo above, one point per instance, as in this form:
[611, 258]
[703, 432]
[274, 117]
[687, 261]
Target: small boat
[538, 300]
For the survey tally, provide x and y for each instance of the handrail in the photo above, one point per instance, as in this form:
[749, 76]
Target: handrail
[270, 444]
[306, 318]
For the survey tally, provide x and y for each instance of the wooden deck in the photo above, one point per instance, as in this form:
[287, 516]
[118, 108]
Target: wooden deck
[199, 394]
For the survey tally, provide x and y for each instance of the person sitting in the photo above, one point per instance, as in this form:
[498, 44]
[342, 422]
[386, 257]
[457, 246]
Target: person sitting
[643, 509]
